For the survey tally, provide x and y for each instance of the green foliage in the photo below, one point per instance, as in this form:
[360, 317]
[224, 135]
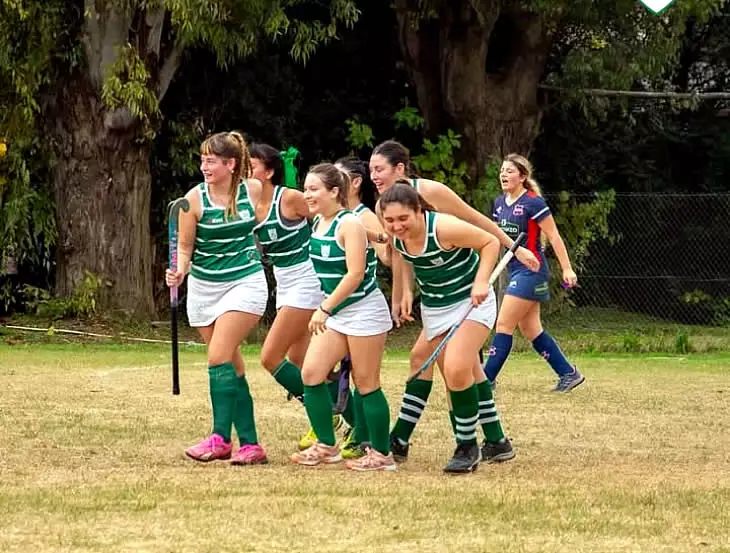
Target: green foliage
[715, 310]
[437, 162]
[408, 117]
[681, 342]
[359, 134]
[81, 304]
[128, 84]
[580, 225]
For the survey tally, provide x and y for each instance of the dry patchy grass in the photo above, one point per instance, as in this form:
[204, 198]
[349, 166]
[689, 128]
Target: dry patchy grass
[637, 459]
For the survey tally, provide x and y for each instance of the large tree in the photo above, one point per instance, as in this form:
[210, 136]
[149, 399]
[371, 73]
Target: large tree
[93, 73]
[477, 65]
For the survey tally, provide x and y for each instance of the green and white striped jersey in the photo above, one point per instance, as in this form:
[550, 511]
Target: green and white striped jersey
[283, 245]
[225, 249]
[445, 277]
[328, 258]
[371, 257]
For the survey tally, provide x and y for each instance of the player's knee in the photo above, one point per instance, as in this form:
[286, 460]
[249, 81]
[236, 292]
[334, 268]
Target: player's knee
[458, 376]
[419, 354]
[504, 326]
[271, 359]
[367, 383]
[218, 356]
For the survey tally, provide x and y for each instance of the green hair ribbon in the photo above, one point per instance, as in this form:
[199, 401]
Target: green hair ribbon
[290, 171]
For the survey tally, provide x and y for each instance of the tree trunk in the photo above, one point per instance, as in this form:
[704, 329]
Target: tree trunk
[102, 192]
[482, 77]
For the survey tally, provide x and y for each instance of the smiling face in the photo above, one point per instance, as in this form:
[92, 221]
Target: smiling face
[383, 173]
[401, 221]
[319, 199]
[215, 169]
[511, 179]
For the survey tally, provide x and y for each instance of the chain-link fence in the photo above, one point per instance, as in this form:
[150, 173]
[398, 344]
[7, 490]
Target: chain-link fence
[667, 255]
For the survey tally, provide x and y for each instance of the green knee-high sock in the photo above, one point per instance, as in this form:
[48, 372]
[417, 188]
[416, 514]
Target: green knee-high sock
[243, 418]
[361, 423]
[488, 417]
[377, 414]
[415, 399]
[349, 413]
[466, 414]
[223, 387]
[452, 418]
[288, 375]
[318, 405]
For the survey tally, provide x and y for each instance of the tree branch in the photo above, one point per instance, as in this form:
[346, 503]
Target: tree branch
[155, 21]
[105, 32]
[602, 92]
[169, 68]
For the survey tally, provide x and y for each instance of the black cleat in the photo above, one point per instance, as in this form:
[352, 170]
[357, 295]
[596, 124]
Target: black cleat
[400, 451]
[497, 452]
[466, 459]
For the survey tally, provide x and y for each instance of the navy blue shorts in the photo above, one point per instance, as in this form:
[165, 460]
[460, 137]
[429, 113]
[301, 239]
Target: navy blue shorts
[528, 285]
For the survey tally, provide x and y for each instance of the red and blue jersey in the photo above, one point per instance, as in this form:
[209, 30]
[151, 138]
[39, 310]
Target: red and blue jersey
[523, 215]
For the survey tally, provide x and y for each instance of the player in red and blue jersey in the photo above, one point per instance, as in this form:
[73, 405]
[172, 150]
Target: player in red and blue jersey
[522, 209]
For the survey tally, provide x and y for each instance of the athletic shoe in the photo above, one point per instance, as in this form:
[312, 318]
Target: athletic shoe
[493, 452]
[318, 454]
[309, 439]
[569, 381]
[466, 459]
[349, 449]
[249, 454]
[398, 449]
[372, 461]
[212, 448]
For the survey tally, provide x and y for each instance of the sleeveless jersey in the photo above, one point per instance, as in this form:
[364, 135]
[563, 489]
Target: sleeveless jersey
[445, 277]
[328, 258]
[371, 257]
[523, 216]
[283, 245]
[225, 249]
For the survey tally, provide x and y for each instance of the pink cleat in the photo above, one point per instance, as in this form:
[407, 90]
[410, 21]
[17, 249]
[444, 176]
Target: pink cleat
[317, 454]
[212, 448]
[372, 461]
[249, 454]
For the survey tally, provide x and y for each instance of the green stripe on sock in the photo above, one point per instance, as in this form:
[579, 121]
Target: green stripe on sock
[488, 417]
[411, 409]
[466, 413]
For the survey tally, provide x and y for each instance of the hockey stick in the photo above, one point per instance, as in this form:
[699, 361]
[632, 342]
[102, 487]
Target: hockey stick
[492, 279]
[174, 213]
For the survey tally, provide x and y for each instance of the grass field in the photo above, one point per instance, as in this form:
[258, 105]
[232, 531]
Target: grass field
[637, 459]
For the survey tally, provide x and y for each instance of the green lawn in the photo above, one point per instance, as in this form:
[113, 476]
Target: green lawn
[91, 440]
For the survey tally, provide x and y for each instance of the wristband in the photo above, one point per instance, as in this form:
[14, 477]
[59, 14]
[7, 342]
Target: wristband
[323, 310]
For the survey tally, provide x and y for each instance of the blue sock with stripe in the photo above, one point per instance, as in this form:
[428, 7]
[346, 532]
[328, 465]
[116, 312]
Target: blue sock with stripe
[498, 353]
[549, 350]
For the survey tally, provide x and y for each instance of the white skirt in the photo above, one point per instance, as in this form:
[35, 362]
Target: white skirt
[438, 320]
[369, 316]
[298, 286]
[208, 300]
